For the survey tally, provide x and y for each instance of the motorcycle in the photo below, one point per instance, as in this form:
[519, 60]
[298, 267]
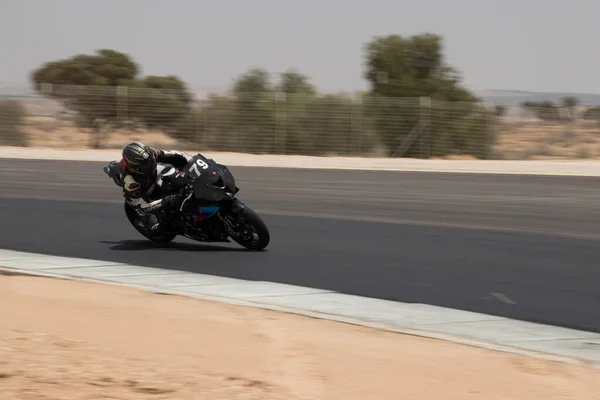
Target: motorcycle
[210, 211]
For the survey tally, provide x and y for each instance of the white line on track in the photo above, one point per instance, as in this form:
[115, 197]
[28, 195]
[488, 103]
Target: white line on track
[503, 298]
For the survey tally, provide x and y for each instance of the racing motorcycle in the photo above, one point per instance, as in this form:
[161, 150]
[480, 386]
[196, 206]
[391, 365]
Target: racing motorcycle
[210, 211]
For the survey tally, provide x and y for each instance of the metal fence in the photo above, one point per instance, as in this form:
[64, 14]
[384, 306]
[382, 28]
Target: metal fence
[278, 123]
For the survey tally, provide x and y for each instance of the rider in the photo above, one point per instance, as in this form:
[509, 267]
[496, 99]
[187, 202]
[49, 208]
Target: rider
[139, 173]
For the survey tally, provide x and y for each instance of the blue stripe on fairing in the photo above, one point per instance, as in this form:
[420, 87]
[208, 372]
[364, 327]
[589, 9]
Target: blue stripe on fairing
[206, 211]
[209, 211]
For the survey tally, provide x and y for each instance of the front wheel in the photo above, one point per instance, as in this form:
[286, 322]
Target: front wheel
[250, 230]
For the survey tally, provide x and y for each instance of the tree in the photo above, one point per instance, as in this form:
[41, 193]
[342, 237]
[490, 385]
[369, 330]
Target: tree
[88, 85]
[159, 102]
[398, 67]
[319, 125]
[412, 67]
[500, 110]
[570, 101]
[256, 80]
[544, 110]
[256, 120]
[107, 68]
[254, 112]
[211, 125]
[294, 83]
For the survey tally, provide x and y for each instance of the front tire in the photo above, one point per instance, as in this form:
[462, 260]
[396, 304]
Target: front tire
[253, 233]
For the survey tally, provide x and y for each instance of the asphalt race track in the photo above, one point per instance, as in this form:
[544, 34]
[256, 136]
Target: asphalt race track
[523, 247]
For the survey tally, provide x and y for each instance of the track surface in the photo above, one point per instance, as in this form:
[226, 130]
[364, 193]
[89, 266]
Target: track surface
[523, 247]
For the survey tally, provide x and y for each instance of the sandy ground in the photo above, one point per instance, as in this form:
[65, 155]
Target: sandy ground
[73, 340]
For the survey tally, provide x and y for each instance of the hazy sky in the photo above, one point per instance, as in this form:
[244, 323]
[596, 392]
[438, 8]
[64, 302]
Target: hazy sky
[539, 45]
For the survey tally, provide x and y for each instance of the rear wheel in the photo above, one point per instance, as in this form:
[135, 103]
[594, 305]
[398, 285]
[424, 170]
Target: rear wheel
[133, 218]
[251, 231]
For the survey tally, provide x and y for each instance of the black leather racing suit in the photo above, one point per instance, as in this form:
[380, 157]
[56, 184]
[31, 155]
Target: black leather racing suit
[142, 192]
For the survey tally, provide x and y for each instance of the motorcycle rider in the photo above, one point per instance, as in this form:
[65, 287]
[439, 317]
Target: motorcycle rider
[138, 175]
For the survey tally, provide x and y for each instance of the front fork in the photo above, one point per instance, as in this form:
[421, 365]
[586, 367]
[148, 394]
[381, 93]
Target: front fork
[231, 222]
[237, 206]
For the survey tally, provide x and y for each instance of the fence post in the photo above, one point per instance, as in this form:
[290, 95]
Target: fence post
[122, 93]
[425, 116]
[490, 132]
[206, 138]
[356, 134]
[280, 131]
[196, 117]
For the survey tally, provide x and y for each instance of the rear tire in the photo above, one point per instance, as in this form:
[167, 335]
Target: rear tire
[160, 239]
[247, 217]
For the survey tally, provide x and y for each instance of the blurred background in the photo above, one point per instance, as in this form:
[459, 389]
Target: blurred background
[483, 80]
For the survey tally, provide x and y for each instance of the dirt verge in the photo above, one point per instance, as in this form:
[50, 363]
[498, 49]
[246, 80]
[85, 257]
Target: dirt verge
[64, 339]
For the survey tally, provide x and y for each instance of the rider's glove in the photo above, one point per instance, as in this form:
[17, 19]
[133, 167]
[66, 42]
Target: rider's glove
[172, 200]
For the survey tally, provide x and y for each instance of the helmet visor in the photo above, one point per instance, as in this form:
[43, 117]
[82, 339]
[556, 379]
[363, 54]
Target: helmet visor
[142, 167]
[145, 167]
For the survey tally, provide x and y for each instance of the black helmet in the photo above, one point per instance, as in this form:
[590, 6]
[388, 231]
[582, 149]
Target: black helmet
[139, 159]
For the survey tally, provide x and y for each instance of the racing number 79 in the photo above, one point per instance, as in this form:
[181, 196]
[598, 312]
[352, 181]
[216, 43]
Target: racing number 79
[198, 163]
